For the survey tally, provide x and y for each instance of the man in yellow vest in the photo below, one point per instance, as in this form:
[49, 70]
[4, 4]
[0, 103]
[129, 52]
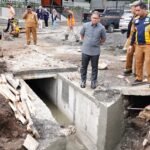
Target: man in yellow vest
[31, 23]
[141, 38]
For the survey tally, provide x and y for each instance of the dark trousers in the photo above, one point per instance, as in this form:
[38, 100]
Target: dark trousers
[9, 24]
[84, 66]
[46, 22]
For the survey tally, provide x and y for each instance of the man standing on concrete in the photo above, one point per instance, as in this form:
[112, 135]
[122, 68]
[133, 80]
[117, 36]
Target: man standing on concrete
[141, 38]
[11, 15]
[31, 22]
[93, 35]
[129, 55]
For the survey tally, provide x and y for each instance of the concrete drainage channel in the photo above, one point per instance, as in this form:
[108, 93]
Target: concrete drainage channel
[98, 117]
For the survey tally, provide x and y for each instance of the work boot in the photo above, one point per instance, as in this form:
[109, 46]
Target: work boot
[66, 37]
[83, 84]
[28, 43]
[5, 30]
[93, 85]
[77, 38]
[136, 82]
[127, 72]
[35, 42]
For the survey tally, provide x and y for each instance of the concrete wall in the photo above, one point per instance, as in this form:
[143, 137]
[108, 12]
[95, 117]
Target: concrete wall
[114, 125]
[99, 122]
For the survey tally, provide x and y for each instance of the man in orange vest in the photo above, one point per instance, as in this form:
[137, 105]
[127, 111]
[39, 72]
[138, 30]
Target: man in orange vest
[31, 22]
[70, 24]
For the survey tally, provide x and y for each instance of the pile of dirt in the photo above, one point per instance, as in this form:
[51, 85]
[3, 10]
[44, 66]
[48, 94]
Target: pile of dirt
[3, 67]
[12, 132]
[135, 132]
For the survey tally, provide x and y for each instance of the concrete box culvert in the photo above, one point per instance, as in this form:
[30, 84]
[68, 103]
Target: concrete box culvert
[49, 129]
[98, 117]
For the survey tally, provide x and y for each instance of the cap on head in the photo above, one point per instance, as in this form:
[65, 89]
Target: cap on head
[134, 3]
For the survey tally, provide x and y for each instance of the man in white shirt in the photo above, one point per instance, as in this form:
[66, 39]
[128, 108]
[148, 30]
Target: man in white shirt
[11, 15]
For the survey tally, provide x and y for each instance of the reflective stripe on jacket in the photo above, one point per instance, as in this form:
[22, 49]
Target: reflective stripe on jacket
[142, 30]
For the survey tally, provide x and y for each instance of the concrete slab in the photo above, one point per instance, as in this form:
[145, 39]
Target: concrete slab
[139, 90]
[42, 66]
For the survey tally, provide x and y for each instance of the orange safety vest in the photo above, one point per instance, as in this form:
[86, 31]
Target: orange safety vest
[71, 21]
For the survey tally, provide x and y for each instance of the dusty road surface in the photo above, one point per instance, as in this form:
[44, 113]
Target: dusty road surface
[52, 51]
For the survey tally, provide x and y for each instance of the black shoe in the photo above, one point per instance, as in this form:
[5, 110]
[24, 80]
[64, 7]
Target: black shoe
[136, 82]
[82, 84]
[4, 30]
[93, 84]
[127, 72]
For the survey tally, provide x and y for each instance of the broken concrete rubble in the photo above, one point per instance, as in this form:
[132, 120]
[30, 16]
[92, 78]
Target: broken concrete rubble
[145, 114]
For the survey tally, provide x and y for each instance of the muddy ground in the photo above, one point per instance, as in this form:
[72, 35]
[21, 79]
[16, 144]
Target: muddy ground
[12, 132]
[18, 56]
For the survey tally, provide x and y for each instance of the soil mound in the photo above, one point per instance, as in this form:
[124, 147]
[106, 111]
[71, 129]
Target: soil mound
[12, 132]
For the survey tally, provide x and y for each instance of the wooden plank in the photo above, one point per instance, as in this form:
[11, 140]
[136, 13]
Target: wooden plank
[18, 115]
[20, 108]
[30, 126]
[30, 143]
[14, 83]
[3, 78]
[13, 90]
[7, 92]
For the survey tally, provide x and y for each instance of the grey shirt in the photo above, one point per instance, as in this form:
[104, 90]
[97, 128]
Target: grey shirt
[92, 36]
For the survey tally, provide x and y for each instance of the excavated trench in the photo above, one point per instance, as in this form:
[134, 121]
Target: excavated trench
[73, 142]
[136, 129]
[126, 108]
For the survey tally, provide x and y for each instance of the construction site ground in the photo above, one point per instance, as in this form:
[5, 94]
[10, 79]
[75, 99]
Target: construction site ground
[51, 52]
[12, 132]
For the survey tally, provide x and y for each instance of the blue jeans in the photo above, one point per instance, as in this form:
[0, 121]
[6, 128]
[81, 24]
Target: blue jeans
[84, 65]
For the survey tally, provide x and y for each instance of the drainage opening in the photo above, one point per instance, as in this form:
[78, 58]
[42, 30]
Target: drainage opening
[136, 128]
[46, 89]
[135, 104]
